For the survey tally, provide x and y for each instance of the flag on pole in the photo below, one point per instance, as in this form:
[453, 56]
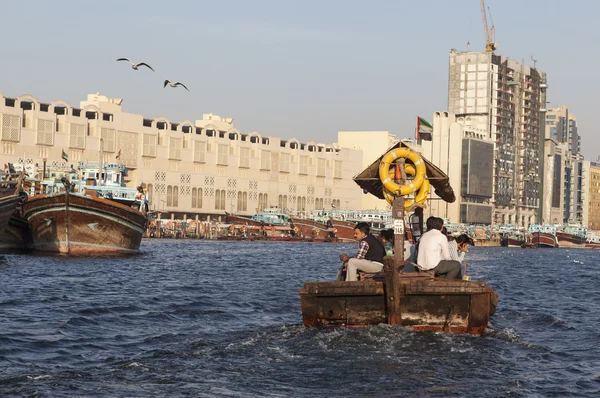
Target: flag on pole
[119, 155]
[65, 156]
[424, 129]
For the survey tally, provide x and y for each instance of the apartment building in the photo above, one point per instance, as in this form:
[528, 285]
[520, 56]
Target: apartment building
[594, 197]
[502, 102]
[201, 167]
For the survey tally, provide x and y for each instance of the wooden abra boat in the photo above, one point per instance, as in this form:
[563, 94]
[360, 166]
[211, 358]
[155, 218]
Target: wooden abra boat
[83, 225]
[10, 190]
[412, 299]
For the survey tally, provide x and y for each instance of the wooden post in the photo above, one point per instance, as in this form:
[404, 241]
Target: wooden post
[392, 270]
[158, 225]
[398, 217]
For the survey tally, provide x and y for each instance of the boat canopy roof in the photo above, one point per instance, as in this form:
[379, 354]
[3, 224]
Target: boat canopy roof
[369, 180]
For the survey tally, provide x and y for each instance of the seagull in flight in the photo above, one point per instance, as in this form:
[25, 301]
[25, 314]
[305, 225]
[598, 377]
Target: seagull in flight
[175, 84]
[135, 66]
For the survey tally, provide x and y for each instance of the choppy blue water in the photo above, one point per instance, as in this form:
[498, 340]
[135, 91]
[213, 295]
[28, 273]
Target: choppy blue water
[203, 318]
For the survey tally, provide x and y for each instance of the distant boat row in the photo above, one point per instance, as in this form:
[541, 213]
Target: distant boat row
[552, 236]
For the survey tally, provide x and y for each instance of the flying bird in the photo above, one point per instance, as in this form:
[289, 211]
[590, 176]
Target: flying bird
[136, 65]
[175, 84]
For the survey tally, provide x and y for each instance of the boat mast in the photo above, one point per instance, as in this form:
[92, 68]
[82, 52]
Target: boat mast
[101, 160]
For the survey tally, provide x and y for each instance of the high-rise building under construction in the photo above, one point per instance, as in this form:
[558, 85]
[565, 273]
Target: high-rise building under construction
[502, 102]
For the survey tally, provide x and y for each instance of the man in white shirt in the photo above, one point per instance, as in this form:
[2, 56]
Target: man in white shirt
[433, 251]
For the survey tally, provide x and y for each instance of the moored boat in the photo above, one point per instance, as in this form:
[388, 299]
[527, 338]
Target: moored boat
[571, 235]
[512, 240]
[75, 224]
[17, 235]
[241, 220]
[313, 229]
[543, 236]
[10, 197]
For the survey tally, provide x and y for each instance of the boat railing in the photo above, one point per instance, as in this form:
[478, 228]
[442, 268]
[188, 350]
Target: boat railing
[114, 192]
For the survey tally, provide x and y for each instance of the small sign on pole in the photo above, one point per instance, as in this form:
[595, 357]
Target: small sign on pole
[398, 226]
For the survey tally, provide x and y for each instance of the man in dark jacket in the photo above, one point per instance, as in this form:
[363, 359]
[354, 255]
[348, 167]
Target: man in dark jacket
[370, 253]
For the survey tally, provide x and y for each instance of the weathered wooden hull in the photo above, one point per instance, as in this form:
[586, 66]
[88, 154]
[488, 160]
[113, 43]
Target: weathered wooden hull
[233, 219]
[8, 205]
[423, 304]
[344, 230]
[509, 241]
[567, 239]
[10, 188]
[312, 229]
[17, 235]
[542, 239]
[73, 224]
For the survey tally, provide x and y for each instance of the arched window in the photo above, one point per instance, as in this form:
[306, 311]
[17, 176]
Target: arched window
[284, 202]
[280, 201]
[245, 201]
[149, 194]
[175, 196]
[199, 199]
[194, 195]
[260, 200]
[299, 204]
[222, 199]
[169, 196]
[217, 199]
[240, 201]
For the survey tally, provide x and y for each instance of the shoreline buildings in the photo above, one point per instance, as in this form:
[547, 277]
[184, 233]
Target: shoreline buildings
[204, 167]
[490, 141]
[567, 173]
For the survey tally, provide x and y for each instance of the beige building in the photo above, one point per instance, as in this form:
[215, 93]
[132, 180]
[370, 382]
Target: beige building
[373, 144]
[203, 167]
[553, 198]
[594, 197]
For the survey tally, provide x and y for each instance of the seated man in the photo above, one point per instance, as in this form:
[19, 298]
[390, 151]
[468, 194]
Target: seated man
[433, 251]
[370, 253]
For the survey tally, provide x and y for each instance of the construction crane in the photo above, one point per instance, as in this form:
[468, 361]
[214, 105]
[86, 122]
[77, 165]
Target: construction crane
[490, 44]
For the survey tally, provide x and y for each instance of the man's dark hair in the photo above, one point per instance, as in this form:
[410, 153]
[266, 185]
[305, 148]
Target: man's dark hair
[430, 222]
[388, 234]
[363, 227]
[436, 223]
[464, 238]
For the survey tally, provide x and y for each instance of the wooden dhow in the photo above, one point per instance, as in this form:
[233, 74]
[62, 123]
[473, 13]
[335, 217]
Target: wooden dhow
[10, 197]
[70, 223]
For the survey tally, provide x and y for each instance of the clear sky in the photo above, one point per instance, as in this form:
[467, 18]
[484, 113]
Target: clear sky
[304, 69]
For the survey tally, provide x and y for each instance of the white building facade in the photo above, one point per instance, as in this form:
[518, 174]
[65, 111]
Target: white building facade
[201, 167]
[462, 151]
